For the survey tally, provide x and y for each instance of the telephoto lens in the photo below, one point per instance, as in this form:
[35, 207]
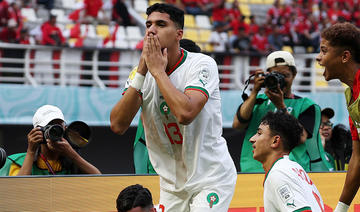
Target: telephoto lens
[2, 157]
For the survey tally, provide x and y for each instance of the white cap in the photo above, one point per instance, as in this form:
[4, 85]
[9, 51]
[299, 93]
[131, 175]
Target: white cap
[46, 114]
[279, 58]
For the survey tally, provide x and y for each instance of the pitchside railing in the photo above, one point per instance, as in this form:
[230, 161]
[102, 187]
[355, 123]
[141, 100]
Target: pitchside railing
[104, 68]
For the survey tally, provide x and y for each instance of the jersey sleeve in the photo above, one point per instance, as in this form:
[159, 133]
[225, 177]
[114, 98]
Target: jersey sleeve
[203, 77]
[288, 195]
[354, 132]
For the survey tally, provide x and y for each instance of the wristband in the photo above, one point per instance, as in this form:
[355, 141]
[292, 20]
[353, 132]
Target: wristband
[138, 81]
[341, 207]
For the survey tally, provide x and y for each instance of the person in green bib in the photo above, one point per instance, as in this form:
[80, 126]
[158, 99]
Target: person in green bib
[46, 156]
[340, 57]
[310, 153]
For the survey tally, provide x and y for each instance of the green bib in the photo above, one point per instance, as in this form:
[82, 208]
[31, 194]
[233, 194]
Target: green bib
[19, 160]
[311, 155]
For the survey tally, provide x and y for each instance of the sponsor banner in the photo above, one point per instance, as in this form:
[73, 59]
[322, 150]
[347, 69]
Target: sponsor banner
[99, 193]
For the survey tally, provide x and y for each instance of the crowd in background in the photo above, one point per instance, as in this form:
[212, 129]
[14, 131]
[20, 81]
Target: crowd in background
[287, 23]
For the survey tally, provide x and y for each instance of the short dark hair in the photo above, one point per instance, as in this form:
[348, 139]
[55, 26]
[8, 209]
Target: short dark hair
[284, 125]
[176, 14]
[134, 196]
[346, 36]
[189, 45]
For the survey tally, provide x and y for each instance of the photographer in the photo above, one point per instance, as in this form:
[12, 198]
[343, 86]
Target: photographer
[281, 69]
[51, 156]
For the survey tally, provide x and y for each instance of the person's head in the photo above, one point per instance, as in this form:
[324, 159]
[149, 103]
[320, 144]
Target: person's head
[48, 114]
[339, 48]
[52, 18]
[135, 198]
[167, 22]
[277, 134]
[189, 45]
[326, 124]
[284, 63]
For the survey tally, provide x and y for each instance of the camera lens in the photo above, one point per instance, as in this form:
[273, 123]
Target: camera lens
[271, 82]
[54, 132]
[2, 157]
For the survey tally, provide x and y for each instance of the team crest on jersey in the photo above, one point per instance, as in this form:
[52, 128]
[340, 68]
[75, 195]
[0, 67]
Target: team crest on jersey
[285, 193]
[212, 199]
[164, 108]
[204, 76]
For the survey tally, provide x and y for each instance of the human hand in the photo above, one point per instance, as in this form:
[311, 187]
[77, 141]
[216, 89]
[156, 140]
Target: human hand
[142, 68]
[155, 57]
[62, 146]
[258, 80]
[276, 96]
[35, 137]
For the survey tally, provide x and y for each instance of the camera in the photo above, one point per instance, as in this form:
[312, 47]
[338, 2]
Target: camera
[2, 157]
[272, 80]
[53, 132]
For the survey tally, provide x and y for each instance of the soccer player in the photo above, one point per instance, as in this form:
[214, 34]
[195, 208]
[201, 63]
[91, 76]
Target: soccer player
[180, 99]
[340, 55]
[287, 187]
[136, 198]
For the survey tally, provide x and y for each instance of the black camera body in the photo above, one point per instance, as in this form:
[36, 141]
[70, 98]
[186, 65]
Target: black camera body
[273, 79]
[53, 132]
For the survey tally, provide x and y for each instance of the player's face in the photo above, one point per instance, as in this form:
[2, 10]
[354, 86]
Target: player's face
[330, 58]
[288, 75]
[261, 142]
[161, 25]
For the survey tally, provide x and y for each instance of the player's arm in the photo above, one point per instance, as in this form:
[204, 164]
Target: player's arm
[352, 182]
[185, 106]
[126, 108]
[244, 112]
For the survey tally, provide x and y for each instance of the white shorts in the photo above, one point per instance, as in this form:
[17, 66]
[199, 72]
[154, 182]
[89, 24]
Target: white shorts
[215, 199]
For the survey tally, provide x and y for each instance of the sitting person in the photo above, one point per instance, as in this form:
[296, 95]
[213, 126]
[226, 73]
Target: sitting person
[45, 156]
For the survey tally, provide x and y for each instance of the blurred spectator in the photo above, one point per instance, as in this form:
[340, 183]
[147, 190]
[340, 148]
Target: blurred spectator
[236, 24]
[15, 13]
[91, 12]
[51, 34]
[197, 7]
[120, 13]
[260, 42]
[9, 33]
[46, 156]
[242, 41]
[220, 15]
[336, 141]
[274, 13]
[234, 11]
[275, 39]
[24, 37]
[4, 13]
[178, 3]
[219, 38]
[48, 4]
[253, 26]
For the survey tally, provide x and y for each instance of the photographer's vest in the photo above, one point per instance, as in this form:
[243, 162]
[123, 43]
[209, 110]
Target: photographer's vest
[18, 160]
[311, 155]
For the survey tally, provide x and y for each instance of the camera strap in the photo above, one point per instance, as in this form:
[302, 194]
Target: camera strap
[244, 96]
[47, 164]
